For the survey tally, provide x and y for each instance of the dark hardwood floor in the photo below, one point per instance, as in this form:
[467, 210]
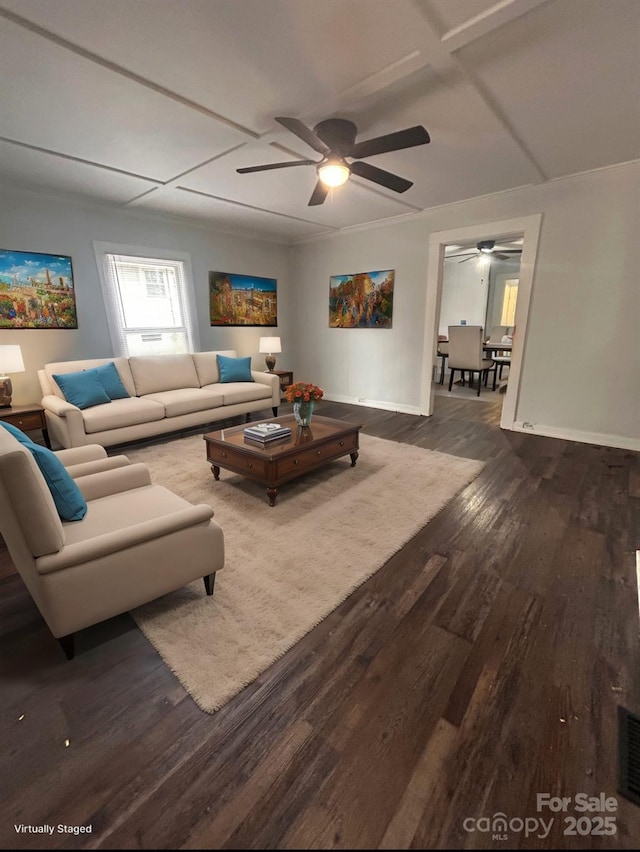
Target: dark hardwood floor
[481, 666]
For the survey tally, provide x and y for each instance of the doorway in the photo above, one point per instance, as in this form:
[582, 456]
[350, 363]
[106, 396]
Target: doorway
[527, 228]
[479, 289]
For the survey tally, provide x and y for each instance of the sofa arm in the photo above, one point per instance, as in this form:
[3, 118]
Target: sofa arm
[80, 455]
[115, 542]
[65, 421]
[272, 380]
[59, 406]
[107, 482]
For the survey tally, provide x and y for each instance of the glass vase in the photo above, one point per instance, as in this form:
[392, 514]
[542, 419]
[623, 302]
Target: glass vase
[303, 411]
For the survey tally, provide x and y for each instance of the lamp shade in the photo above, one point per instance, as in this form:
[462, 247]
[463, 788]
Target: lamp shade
[11, 360]
[270, 345]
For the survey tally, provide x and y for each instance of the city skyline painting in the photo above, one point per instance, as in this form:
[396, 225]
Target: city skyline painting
[242, 299]
[361, 300]
[36, 290]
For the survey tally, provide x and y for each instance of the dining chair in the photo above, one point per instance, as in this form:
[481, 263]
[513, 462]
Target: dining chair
[443, 353]
[499, 362]
[466, 355]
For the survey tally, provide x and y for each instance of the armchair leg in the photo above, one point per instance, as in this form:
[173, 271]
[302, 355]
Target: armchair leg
[247, 417]
[275, 410]
[451, 378]
[209, 582]
[68, 645]
[479, 381]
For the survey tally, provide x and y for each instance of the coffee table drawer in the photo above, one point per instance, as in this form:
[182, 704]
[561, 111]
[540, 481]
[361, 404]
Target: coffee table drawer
[237, 462]
[309, 458]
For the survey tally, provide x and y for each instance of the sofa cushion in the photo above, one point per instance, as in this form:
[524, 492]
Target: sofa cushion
[116, 512]
[234, 369]
[18, 434]
[238, 392]
[207, 365]
[186, 400]
[109, 378]
[121, 413]
[82, 389]
[153, 373]
[67, 497]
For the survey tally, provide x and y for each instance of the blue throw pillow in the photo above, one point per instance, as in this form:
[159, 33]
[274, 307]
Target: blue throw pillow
[18, 434]
[82, 389]
[109, 378]
[234, 369]
[68, 498]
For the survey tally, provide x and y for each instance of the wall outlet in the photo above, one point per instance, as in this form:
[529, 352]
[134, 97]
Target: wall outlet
[463, 322]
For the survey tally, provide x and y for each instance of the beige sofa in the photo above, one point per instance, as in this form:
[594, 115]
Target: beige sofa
[137, 541]
[168, 393]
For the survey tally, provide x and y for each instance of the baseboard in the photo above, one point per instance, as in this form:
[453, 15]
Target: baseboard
[374, 403]
[601, 439]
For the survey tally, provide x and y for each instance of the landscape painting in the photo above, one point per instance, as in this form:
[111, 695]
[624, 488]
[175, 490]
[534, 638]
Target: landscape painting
[36, 290]
[362, 300]
[242, 299]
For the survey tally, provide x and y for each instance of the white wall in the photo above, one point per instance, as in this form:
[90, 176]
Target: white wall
[33, 222]
[465, 288]
[581, 364]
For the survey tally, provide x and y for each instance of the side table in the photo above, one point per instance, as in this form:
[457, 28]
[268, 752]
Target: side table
[28, 418]
[286, 378]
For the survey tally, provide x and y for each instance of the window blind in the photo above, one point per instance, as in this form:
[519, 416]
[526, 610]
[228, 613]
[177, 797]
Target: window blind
[147, 305]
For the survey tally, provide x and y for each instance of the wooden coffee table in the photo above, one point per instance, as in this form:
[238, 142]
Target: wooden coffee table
[281, 461]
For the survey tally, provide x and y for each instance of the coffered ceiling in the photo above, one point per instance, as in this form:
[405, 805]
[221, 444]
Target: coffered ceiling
[154, 104]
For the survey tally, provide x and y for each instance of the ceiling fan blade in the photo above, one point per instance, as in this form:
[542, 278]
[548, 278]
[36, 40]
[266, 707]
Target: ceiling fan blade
[268, 166]
[305, 133]
[471, 257]
[408, 138]
[391, 181]
[319, 194]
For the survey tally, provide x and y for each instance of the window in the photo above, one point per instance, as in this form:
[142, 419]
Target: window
[156, 283]
[147, 301]
[509, 301]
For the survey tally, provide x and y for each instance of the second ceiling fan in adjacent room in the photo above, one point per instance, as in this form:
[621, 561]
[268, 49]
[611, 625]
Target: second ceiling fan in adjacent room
[335, 139]
[486, 248]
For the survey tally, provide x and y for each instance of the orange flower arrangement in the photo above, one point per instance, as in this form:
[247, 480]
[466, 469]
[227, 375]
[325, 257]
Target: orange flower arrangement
[303, 392]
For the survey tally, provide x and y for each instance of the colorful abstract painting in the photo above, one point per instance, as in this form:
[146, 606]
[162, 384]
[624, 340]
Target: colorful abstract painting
[362, 300]
[242, 299]
[36, 290]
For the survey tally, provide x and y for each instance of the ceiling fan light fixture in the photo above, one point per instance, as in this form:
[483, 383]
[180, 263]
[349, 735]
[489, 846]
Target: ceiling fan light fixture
[486, 246]
[334, 172]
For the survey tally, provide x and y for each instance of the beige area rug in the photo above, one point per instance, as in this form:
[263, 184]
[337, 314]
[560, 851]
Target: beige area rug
[289, 566]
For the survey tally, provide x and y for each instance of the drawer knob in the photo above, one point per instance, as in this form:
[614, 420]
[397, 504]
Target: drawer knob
[295, 461]
[20, 422]
[224, 455]
[317, 452]
[342, 443]
[250, 465]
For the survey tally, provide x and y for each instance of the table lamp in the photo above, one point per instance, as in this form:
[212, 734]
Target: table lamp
[270, 345]
[10, 362]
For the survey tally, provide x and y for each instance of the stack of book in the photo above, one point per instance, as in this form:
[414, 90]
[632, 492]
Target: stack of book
[263, 433]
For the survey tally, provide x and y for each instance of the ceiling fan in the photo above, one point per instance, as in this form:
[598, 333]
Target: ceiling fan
[335, 139]
[487, 247]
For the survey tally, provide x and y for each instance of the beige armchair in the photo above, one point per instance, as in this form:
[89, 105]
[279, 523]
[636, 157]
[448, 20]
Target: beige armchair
[137, 541]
